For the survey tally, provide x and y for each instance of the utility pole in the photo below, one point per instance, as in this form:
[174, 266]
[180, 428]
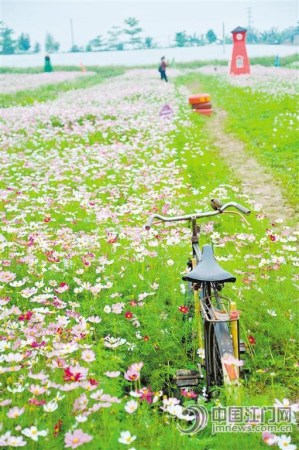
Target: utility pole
[249, 15]
[72, 33]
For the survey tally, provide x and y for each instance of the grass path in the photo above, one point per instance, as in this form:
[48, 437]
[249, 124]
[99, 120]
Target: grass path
[257, 182]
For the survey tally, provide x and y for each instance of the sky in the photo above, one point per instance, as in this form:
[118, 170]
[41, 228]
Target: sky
[160, 19]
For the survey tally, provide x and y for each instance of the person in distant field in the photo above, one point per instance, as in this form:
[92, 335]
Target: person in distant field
[48, 66]
[162, 68]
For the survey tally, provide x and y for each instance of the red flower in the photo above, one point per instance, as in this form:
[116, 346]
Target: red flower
[146, 338]
[70, 376]
[251, 340]
[128, 315]
[47, 219]
[234, 315]
[35, 344]
[189, 394]
[93, 382]
[26, 316]
[57, 427]
[184, 309]
[272, 237]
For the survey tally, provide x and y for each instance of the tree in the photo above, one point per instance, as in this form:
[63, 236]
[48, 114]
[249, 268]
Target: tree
[114, 42]
[290, 33]
[133, 31]
[181, 39]
[252, 36]
[51, 45]
[24, 42]
[272, 36]
[97, 43]
[75, 49]
[149, 42]
[36, 48]
[7, 43]
[194, 40]
[211, 36]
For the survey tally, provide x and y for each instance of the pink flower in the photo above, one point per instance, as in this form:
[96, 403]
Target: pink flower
[269, 438]
[77, 438]
[6, 277]
[15, 412]
[88, 356]
[132, 375]
[62, 288]
[189, 394]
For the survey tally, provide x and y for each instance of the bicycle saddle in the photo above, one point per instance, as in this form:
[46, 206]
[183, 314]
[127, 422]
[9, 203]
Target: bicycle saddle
[208, 269]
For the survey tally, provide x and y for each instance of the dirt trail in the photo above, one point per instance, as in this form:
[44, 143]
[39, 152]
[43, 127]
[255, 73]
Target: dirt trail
[257, 182]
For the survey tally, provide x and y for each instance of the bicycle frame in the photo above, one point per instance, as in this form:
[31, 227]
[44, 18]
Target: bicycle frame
[211, 323]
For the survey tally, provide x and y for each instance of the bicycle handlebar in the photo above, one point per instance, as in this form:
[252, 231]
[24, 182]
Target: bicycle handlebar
[198, 215]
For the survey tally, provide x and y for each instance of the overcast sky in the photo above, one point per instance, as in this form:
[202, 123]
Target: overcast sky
[159, 19]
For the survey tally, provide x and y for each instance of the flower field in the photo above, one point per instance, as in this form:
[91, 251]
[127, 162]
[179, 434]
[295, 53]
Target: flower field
[93, 324]
[17, 82]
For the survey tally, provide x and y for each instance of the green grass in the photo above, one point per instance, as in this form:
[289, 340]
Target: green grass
[266, 124]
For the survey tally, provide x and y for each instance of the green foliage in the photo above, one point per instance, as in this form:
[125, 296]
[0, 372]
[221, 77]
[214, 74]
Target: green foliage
[7, 43]
[211, 36]
[263, 123]
[181, 39]
[51, 45]
[133, 30]
[24, 42]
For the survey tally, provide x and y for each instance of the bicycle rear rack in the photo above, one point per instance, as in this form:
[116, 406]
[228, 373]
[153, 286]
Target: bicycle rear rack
[219, 313]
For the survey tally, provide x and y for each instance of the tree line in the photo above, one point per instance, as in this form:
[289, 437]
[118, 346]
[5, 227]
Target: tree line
[130, 37]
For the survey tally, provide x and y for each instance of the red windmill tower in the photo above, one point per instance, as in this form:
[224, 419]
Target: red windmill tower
[239, 63]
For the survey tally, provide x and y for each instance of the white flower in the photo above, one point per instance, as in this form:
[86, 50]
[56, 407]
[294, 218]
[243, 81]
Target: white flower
[283, 443]
[81, 418]
[201, 352]
[33, 433]
[51, 406]
[15, 441]
[170, 262]
[126, 438]
[131, 406]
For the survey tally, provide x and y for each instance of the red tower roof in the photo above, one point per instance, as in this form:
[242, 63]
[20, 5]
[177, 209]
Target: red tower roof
[238, 30]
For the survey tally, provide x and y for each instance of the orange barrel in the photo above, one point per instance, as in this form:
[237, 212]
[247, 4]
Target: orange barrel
[199, 98]
[206, 112]
[207, 105]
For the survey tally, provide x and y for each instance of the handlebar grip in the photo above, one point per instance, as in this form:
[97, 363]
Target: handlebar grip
[243, 209]
[149, 222]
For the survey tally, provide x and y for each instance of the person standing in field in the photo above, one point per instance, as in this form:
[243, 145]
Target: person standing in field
[48, 66]
[162, 68]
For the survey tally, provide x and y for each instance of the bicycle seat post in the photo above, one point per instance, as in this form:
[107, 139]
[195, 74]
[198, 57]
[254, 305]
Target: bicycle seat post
[195, 231]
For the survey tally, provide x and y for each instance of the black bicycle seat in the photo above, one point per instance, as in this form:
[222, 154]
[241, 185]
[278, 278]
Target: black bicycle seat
[208, 269]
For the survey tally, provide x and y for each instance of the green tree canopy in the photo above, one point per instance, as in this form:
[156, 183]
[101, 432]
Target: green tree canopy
[51, 45]
[36, 48]
[133, 30]
[97, 43]
[181, 39]
[24, 42]
[211, 36]
[7, 43]
[114, 39]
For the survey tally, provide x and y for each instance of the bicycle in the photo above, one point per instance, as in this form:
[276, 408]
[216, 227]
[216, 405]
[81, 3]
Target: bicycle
[216, 317]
